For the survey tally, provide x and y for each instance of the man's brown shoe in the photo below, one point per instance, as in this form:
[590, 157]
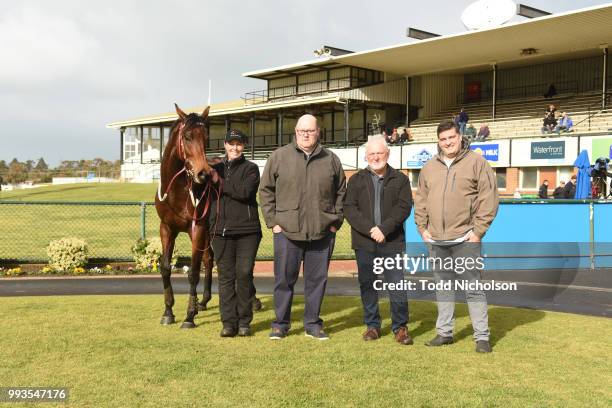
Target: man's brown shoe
[402, 336]
[371, 334]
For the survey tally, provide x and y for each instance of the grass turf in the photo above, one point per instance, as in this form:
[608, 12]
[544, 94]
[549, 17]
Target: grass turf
[111, 351]
[110, 231]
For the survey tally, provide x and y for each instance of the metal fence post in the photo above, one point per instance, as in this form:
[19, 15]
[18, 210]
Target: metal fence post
[143, 220]
[591, 236]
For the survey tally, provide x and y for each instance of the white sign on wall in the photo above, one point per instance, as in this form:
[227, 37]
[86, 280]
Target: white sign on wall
[597, 146]
[558, 151]
[414, 156]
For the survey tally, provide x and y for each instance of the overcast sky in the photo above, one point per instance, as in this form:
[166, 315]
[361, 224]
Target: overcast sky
[69, 67]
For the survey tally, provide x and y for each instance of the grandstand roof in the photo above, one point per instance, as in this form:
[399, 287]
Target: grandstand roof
[224, 108]
[555, 36]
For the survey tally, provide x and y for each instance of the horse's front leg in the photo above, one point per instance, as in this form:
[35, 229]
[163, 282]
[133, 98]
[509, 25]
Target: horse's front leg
[197, 252]
[207, 283]
[168, 237]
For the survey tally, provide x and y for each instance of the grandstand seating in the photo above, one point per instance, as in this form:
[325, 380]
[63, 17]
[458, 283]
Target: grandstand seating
[522, 118]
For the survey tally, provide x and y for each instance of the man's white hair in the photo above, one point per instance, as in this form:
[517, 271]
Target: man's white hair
[378, 138]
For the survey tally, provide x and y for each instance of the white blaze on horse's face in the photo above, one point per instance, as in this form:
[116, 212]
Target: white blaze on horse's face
[192, 140]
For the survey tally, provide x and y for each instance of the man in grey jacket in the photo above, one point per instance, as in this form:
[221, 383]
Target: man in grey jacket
[301, 193]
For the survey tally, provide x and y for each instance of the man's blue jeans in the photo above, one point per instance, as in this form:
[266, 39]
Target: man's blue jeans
[398, 299]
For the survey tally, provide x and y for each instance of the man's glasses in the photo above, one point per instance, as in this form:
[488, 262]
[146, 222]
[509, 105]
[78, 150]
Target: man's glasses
[304, 132]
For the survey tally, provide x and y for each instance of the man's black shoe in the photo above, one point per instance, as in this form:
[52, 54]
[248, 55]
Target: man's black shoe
[483, 346]
[277, 334]
[228, 332]
[439, 341]
[317, 334]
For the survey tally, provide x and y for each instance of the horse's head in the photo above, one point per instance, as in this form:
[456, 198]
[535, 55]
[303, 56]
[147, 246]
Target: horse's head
[191, 143]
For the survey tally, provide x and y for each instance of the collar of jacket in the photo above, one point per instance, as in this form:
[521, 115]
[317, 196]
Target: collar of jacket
[315, 151]
[389, 174]
[465, 149]
[234, 162]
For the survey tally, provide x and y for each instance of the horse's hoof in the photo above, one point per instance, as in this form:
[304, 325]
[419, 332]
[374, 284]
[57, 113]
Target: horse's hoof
[188, 325]
[165, 320]
[202, 306]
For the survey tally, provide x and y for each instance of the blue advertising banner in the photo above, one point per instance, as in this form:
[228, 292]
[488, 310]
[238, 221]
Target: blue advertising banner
[489, 151]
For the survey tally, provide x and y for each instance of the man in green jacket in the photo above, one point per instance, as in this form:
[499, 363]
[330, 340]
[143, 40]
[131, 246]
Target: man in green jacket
[301, 193]
[456, 202]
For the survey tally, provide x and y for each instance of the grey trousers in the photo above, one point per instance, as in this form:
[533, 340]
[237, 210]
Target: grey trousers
[476, 299]
[288, 256]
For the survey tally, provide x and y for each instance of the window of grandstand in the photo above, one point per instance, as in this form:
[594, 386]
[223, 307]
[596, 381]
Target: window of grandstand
[500, 175]
[564, 174]
[131, 144]
[414, 178]
[529, 177]
[152, 144]
[166, 135]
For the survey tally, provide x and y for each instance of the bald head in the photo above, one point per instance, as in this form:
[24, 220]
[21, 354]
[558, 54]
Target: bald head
[307, 133]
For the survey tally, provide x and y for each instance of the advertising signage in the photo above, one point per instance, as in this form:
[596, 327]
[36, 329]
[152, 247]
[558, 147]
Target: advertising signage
[548, 150]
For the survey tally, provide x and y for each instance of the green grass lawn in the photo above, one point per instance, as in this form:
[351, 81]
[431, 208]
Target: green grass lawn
[111, 351]
[109, 230]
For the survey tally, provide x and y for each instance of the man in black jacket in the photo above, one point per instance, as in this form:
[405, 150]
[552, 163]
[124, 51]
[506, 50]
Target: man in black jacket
[378, 201]
[543, 192]
[569, 191]
[559, 191]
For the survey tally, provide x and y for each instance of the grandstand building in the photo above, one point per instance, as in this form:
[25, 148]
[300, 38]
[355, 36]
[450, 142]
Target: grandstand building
[498, 75]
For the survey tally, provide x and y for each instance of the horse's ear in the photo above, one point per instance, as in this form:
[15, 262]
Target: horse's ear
[181, 114]
[205, 113]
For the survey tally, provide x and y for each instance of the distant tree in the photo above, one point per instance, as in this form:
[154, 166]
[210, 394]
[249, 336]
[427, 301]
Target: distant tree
[41, 165]
[16, 172]
[29, 165]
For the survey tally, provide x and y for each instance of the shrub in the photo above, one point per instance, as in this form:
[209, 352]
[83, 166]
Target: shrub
[66, 254]
[147, 254]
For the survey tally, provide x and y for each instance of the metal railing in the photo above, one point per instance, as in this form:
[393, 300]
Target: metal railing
[305, 89]
[518, 92]
[110, 230]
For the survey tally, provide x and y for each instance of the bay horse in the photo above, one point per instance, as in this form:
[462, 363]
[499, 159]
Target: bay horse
[182, 202]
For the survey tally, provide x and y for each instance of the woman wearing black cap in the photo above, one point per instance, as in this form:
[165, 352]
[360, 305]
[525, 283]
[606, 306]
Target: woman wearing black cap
[236, 233]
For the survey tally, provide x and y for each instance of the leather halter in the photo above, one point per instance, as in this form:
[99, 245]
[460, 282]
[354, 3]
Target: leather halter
[209, 188]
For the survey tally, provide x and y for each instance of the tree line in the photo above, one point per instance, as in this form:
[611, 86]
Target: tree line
[16, 172]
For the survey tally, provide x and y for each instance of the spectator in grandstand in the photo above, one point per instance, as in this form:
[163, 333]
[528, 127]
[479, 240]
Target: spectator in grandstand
[569, 191]
[470, 132]
[543, 192]
[462, 121]
[237, 233]
[517, 194]
[378, 201]
[550, 120]
[565, 124]
[552, 91]
[394, 138]
[483, 132]
[406, 136]
[559, 191]
[452, 221]
[301, 195]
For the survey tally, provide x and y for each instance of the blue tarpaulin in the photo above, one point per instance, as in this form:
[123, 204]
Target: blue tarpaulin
[583, 178]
